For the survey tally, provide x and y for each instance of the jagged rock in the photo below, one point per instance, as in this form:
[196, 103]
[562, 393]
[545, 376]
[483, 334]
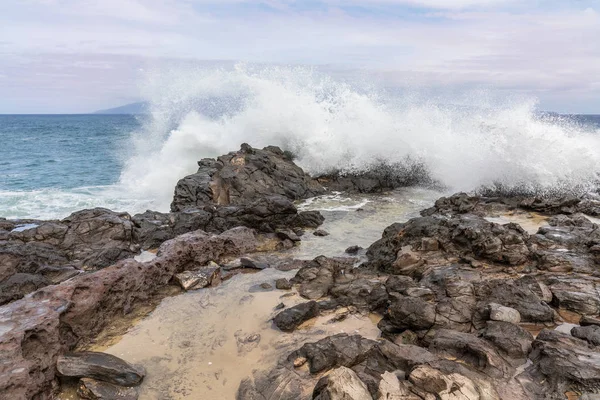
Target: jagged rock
[576, 293]
[243, 177]
[589, 321]
[470, 349]
[517, 294]
[353, 249]
[334, 351]
[390, 388]
[377, 177]
[320, 232]
[98, 390]
[204, 277]
[249, 263]
[100, 366]
[501, 313]
[411, 313]
[267, 214]
[565, 361]
[318, 276]
[511, 339]
[341, 384]
[283, 284]
[291, 318]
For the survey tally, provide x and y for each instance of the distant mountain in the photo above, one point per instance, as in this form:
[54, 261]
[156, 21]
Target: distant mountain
[133, 108]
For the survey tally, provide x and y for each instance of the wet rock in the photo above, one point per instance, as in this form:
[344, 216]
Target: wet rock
[100, 366]
[98, 390]
[279, 306]
[548, 205]
[204, 277]
[291, 318]
[242, 177]
[589, 333]
[376, 178]
[318, 276]
[511, 339]
[353, 249]
[341, 384]
[387, 356]
[501, 313]
[266, 286]
[334, 351]
[283, 284]
[249, 263]
[320, 232]
[289, 235]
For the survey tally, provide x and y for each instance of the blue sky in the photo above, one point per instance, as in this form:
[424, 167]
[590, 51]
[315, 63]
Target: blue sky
[59, 56]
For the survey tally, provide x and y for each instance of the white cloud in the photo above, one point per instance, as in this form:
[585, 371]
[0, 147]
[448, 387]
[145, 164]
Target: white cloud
[460, 42]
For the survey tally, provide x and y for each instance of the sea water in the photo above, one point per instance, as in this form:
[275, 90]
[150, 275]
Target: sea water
[56, 164]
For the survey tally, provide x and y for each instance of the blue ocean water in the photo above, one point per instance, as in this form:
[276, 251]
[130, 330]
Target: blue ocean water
[53, 165]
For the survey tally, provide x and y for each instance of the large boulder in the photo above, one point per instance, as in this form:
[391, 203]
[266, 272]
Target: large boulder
[243, 177]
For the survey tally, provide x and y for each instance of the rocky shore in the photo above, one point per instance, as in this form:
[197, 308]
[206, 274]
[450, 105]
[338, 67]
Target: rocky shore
[470, 299]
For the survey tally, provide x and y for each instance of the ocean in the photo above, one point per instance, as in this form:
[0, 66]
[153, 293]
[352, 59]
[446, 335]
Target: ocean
[53, 165]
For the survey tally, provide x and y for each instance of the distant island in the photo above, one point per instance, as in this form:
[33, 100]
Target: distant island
[133, 108]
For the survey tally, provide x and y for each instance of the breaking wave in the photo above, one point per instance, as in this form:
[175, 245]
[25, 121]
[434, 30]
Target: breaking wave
[331, 125]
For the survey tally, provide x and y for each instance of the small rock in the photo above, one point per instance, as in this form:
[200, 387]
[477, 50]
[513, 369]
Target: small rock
[300, 361]
[299, 231]
[353, 249]
[288, 234]
[320, 232]
[406, 337]
[290, 319]
[249, 263]
[96, 390]
[506, 314]
[192, 280]
[266, 286]
[100, 366]
[280, 306]
[283, 284]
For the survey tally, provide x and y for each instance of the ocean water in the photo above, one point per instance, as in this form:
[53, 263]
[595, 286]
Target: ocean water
[54, 165]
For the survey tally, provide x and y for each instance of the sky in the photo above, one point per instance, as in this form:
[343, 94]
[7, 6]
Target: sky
[73, 56]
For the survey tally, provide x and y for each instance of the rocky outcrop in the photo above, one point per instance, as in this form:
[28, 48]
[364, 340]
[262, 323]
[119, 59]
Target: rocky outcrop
[244, 177]
[267, 214]
[36, 330]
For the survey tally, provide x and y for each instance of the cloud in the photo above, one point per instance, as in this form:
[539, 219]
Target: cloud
[538, 47]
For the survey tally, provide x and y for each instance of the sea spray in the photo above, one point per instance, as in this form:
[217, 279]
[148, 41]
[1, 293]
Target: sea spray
[334, 125]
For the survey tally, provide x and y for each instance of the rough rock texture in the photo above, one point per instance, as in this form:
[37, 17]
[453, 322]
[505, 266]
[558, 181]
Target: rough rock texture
[266, 214]
[459, 295]
[99, 366]
[289, 319]
[243, 177]
[341, 384]
[98, 390]
[34, 331]
[88, 239]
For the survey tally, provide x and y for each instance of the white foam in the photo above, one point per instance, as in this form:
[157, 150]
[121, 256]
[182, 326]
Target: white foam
[331, 125]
